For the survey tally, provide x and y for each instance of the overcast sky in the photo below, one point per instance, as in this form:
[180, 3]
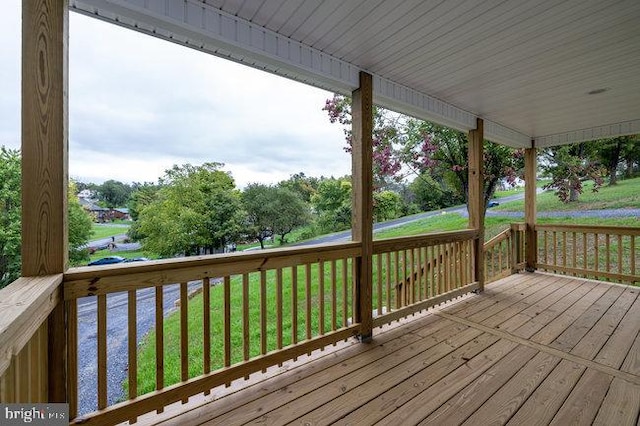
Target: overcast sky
[138, 105]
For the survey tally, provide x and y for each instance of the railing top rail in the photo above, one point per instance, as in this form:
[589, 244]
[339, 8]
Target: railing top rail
[498, 238]
[519, 226]
[405, 243]
[600, 229]
[25, 304]
[89, 281]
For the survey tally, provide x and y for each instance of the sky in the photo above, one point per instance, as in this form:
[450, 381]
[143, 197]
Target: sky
[138, 105]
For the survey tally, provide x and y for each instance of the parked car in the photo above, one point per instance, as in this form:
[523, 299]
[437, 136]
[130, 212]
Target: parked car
[136, 259]
[493, 203]
[107, 260]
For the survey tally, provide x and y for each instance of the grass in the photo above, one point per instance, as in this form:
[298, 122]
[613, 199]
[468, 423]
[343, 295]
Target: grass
[625, 194]
[99, 232]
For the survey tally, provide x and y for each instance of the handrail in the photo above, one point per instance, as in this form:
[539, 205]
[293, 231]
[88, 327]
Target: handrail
[25, 305]
[599, 229]
[434, 238]
[92, 281]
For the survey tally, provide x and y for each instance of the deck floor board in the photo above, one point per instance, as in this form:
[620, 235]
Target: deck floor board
[534, 348]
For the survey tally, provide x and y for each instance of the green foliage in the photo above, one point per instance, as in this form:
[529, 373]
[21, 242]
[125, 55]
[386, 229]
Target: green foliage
[568, 167]
[142, 195]
[291, 213]
[198, 208]
[10, 210]
[80, 228]
[611, 152]
[304, 186]
[332, 204]
[114, 193]
[432, 195]
[387, 205]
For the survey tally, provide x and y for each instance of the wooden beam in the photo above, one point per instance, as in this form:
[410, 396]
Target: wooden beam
[45, 35]
[530, 211]
[476, 202]
[362, 199]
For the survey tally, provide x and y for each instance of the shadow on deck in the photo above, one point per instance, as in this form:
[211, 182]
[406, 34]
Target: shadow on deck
[535, 348]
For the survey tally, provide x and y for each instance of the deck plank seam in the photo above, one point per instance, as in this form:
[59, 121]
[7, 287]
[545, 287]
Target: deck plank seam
[544, 348]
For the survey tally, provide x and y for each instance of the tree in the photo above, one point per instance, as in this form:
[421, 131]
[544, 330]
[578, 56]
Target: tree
[611, 152]
[272, 210]
[291, 212]
[80, 228]
[386, 205]
[197, 209]
[569, 166]
[332, 204]
[304, 186]
[114, 193]
[403, 146]
[11, 219]
[10, 210]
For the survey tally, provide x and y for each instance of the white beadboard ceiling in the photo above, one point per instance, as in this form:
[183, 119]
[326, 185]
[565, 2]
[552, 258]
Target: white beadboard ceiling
[526, 67]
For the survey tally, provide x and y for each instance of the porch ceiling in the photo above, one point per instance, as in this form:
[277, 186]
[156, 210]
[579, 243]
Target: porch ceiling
[527, 67]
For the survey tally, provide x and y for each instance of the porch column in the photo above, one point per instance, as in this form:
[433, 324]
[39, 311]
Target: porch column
[45, 35]
[530, 211]
[476, 203]
[362, 199]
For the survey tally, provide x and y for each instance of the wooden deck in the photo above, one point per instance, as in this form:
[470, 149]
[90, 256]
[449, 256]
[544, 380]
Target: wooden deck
[532, 349]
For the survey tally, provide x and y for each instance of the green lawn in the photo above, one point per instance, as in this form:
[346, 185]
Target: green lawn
[105, 231]
[625, 194]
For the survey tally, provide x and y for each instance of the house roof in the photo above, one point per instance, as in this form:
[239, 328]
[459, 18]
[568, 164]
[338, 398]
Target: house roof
[550, 71]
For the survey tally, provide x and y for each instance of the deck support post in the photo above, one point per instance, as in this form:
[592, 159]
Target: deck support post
[476, 201]
[362, 200]
[530, 211]
[45, 36]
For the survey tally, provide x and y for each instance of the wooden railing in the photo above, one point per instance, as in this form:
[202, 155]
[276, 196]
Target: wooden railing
[24, 350]
[415, 273]
[504, 253]
[255, 310]
[600, 252]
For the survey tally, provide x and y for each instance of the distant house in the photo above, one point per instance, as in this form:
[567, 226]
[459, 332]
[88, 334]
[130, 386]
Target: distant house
[122, 214]
[100, 214]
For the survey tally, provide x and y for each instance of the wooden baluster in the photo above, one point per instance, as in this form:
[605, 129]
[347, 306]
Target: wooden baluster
[388, 279]
[279, 309]
[555, 250]
[420, 271]
[72, 356]
[564, 249]
[379, 281]
[102, 351]
[227, 322]
[308, 300]
[263, 313]
[333, 297]
[607, 243]
[584, 253]
[632, 255]
[184, 335]
[159, 341]
[620, 256]
[294, 305]
[206, 327]
[345, 293]
[132, 343]
[546, 258]
[246, 342]
[321, 298]
[574, 263]
[596, 266]
[397, 284]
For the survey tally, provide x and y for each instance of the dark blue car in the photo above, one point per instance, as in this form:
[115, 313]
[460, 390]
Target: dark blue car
[107, 260]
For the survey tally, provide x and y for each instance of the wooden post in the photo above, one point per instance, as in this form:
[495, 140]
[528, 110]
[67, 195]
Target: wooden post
[530, 211]
[476, 203]
[362, 199]
[45, 34]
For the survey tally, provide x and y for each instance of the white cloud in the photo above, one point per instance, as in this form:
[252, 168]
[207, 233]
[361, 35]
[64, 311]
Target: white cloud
[138, 105]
